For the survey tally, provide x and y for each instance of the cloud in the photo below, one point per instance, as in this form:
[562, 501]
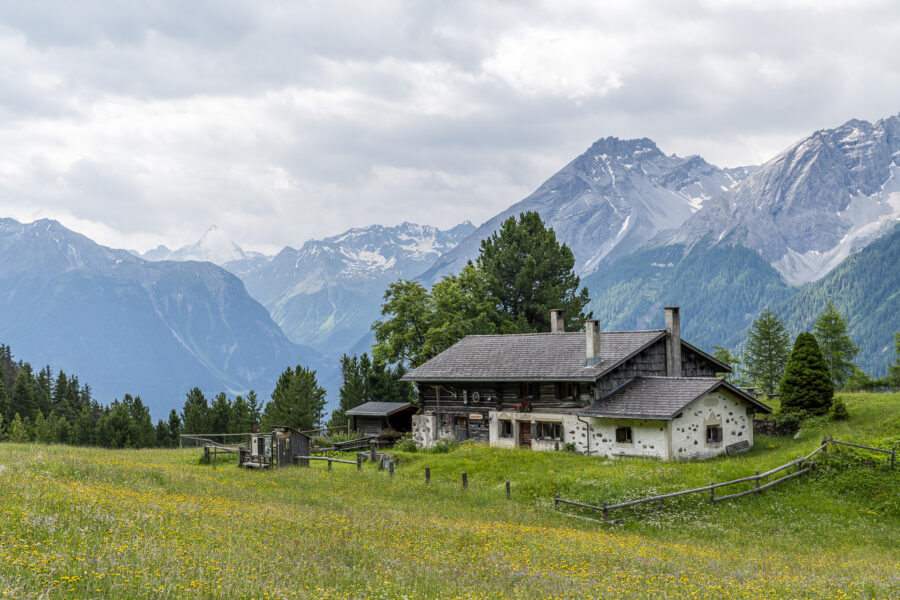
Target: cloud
[280, 122]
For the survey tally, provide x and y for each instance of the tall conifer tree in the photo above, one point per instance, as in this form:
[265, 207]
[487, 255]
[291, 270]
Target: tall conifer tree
[837, 347]
[768, 348]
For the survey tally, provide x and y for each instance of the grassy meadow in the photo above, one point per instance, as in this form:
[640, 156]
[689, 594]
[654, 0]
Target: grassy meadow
[88, 523]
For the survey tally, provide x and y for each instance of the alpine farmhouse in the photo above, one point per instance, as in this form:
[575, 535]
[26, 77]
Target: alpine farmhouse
[611, 393]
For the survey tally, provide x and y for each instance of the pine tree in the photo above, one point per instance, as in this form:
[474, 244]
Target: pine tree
[529, 272]
[806, 385]
[174, 427]
[837, 347]
[220, 414]
[353, 388]
[195, 414]
[83, 432]
[5, 407]
[298, 400]
[22, 399]
[17, 430]
[240, 416]
[255, 408]
[768, 348]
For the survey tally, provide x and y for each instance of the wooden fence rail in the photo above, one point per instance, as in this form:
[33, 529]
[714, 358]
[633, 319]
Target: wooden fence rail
[799, 462]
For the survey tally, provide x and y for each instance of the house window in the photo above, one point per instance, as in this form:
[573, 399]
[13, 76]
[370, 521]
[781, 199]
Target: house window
[549, 431]
[566, 390]
[526, 390]
[506, 429]
[623, 435]
[713, 434]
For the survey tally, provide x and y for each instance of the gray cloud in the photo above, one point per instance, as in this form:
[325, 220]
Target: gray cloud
[143, 124]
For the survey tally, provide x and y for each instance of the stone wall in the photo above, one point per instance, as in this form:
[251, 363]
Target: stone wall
[688, 438]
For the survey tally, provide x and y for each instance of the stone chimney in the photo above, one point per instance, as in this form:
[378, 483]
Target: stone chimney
[592, 337]
[557, 325]
[673, 342]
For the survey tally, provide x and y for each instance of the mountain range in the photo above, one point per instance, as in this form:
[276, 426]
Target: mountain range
[817, 222]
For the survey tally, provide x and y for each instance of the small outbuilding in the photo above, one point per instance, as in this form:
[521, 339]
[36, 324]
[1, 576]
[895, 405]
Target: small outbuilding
[279, 448]
[375, 418]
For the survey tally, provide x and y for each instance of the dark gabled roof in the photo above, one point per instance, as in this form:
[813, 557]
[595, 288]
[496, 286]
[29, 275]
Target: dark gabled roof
[379, 409]
[661, 397]
[531, 357]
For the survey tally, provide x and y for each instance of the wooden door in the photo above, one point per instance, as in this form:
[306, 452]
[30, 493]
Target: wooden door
[525, 435]
[462, 429]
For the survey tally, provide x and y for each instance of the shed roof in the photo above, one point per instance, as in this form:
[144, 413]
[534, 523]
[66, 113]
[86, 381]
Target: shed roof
[531, 357]
[661, 397]
[379, 409]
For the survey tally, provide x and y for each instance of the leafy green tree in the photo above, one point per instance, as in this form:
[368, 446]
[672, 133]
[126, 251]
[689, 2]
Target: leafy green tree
[195, 413]
[859, 381]
[837, 347]
[806, 385]
[401, 337]
[17, 430]
[768, 348]
[529, 272]
[298, 400]
[724, 355]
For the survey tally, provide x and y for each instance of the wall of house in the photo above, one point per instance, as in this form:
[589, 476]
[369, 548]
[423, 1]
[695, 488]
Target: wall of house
[367, 425]
[722, 408]
[650, 362]
[649, 438]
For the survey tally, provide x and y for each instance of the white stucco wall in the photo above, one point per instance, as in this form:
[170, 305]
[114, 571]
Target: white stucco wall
[719, 408]
[649, 438]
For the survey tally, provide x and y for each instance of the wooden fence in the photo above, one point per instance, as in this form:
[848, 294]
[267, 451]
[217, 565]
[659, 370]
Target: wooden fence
[802, 464]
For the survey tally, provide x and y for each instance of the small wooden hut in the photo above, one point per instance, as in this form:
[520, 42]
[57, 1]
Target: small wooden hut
[375, 418]
[279, 448]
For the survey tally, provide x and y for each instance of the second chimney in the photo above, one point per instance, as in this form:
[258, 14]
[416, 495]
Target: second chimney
[673, 342]
[592, 337]
[557, 325]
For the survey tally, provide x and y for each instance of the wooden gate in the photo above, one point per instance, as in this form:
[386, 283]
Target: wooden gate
[462, 429]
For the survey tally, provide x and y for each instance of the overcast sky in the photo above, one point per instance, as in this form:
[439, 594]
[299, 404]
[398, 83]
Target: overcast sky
[139, 123]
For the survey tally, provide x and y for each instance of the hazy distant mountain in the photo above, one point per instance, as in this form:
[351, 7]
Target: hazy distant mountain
[813, 205]
[214, 246]
[123, 324]
[328, 293]
[612, 199]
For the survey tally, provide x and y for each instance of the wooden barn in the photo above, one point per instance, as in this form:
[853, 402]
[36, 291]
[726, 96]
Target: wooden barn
[376, 418]
[608, 393]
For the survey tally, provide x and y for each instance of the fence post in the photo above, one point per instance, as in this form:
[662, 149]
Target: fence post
[427, 475]
[605, 512]
[465, 480]
[556, 501]
[799, 463]
[372, 450]
[329, 463]
[825, 443]
[893, 454]
[661, 501]
[358, 462]
[391, 468]
[712, 491]
[507, 489]
[757, 479]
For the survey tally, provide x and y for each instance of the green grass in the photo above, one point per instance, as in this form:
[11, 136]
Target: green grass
[87, 523]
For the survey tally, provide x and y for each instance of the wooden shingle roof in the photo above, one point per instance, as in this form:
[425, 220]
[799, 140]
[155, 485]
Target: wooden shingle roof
[379, 409]
[531, 357]
[661, 397]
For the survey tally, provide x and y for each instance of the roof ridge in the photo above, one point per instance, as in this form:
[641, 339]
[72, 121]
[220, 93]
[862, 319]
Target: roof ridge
[485, 335]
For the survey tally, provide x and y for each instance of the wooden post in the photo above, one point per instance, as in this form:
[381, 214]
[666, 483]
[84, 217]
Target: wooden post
[605, 512]
[372, 450]
[391, 468]
[757, 479]
[329, 463]
[465, 480]
[215, 456]
[825, 443]
[427, 475]
[358, 462]
[712, 491]
[507, 489]
[556, 501]
[893, 454]
[799, 463]
[661, 503]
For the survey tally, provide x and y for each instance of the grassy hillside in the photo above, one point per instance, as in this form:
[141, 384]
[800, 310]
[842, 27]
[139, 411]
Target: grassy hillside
[81, 523]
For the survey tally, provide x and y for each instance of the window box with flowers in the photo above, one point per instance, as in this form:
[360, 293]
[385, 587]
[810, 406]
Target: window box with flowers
[524, 407]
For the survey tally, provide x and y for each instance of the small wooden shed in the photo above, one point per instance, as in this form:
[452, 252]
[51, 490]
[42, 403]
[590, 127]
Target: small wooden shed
[279, 448]
[372, 418]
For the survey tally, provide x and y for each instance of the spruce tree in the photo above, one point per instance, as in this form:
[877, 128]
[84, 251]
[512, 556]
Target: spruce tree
[195, 414]
[837, 347]
[17, 430]
[22, 399]
[174, 427]
[768, 348]
[353, 388]
[806, 385]
[220, 414]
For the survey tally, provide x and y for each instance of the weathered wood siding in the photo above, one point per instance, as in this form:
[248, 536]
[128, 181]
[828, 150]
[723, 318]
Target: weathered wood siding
[650, 362]
[498, 396]
[369, 425]
[695, 365]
